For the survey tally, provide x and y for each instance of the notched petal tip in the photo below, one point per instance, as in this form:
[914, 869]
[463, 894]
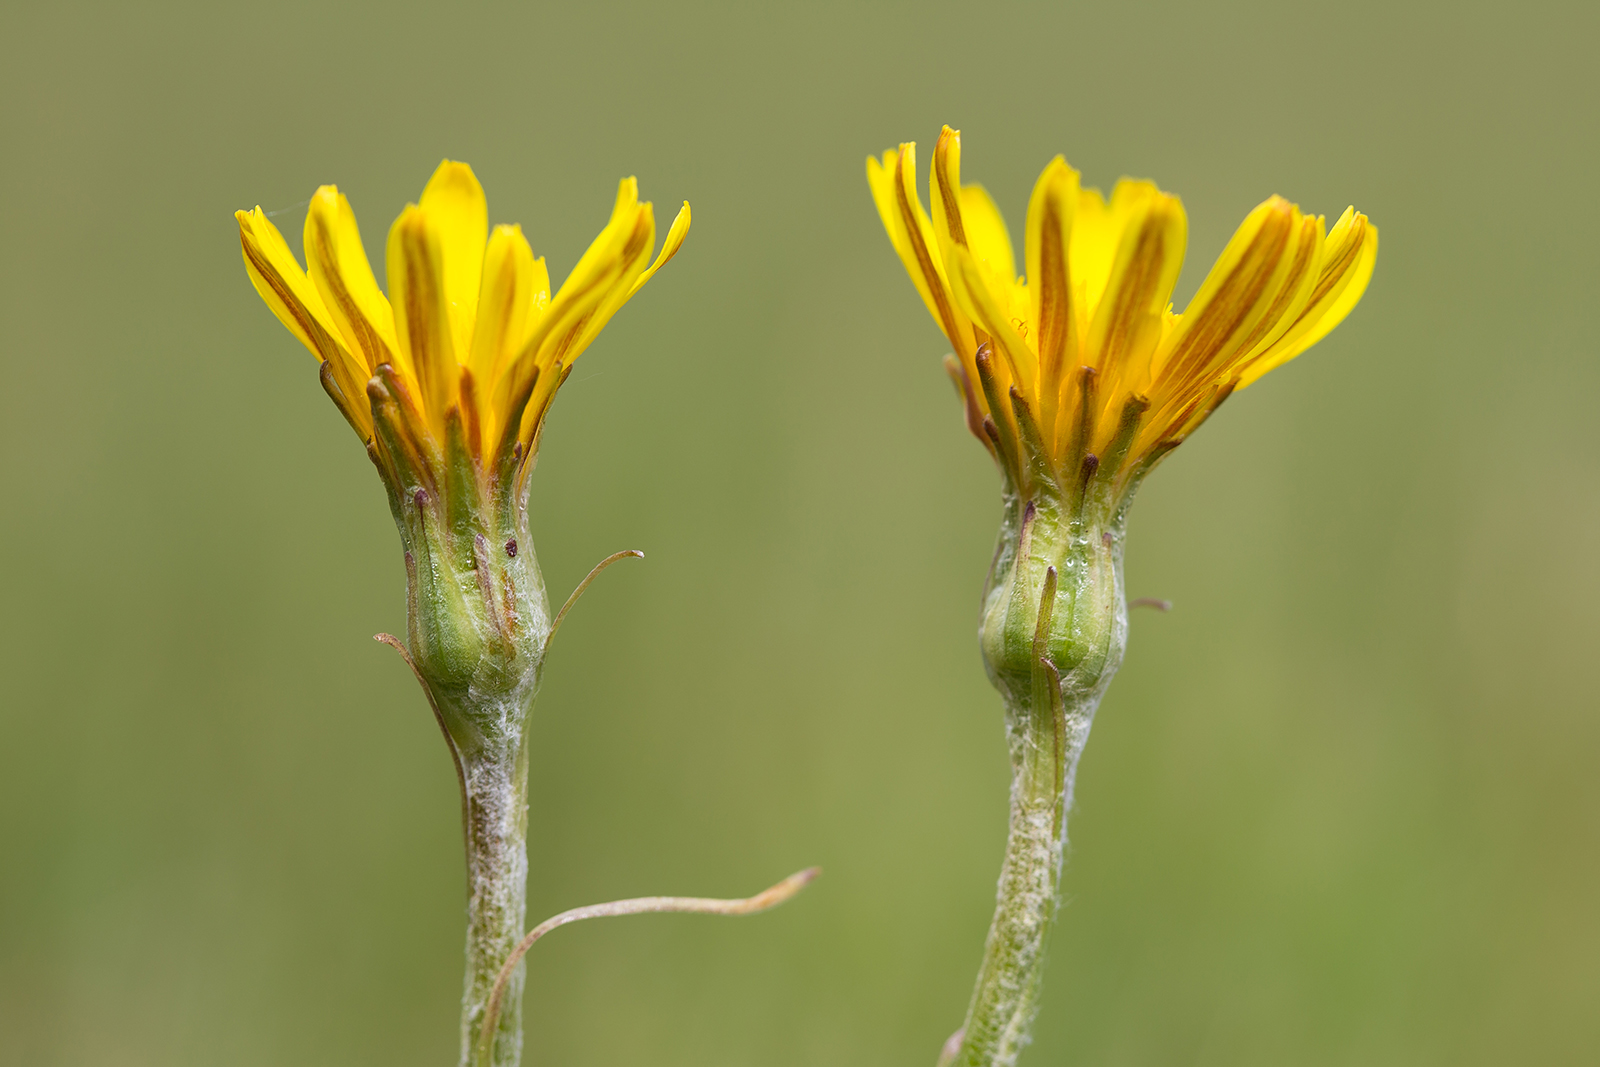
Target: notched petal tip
[881, 165]
[452, 179]
[412, 222]
[1059, 174]
[627, 197]
[1279, 208]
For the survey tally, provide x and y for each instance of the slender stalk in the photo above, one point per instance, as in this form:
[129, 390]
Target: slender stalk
[496, 790]
[493, 775]
[1044, 759]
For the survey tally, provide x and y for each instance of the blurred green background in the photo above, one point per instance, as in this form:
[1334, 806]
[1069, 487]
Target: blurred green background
[1340, 807]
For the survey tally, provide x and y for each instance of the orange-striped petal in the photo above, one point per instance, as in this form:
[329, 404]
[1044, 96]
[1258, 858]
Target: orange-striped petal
[1268, 254]
[1097, 233]
[294, 300]
[966, 215]
[456, 208]
[632, 257]
[1138, 286]
[989, 308]
[511, 278]
[912, 231]
[1052, 210]
[588, 284]
[423, 334]
[337, 263]
[283, 285]
[669, 248]
[881, 180]
[1348, 256]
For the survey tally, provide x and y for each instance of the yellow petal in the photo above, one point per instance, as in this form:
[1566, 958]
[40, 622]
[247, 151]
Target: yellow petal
[588, 284]
[922, 243]
[601, 261]
[1348, 256]
[990, 243]
[1138, 286]
[550, 348]
[1051, 212]
[510, 280]
[966, 215]
[669, 248]
[631, 262]
[1264, 263]
[541, 295]
[421, 310]
[338, 265]
[986, 232]
[881, 180]
[294, 300]
[456, 207]
[986, 309]
[1303, 267]
[1097, 234]
[944, 193]
[979, 267]
[622, 211]
[283, 285]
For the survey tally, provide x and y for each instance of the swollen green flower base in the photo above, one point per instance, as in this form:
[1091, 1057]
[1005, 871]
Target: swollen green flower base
[479, 625]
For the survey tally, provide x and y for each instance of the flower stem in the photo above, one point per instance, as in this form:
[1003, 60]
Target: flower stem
[495, 785]
[1045, 745]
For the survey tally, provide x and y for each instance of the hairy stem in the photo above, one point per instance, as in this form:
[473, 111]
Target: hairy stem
[496, 788]
[1045, 744]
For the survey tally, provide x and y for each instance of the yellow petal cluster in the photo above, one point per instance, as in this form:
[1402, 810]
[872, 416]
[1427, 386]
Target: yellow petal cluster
[469, 341]
[1080, 360]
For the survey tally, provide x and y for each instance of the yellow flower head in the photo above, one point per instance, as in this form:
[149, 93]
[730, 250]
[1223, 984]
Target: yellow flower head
[463, 357]
[1079, 366]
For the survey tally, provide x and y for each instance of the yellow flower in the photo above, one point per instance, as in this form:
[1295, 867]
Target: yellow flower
[1081, 363]
[447, 380]
[469, 347]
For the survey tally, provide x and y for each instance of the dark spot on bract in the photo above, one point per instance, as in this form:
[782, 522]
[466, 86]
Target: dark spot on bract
[511, 547]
